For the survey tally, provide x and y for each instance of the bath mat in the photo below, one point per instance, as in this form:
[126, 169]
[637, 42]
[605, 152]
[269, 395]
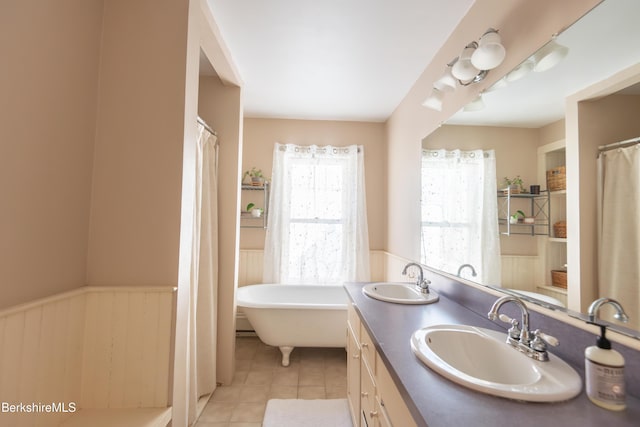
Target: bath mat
[307, 413]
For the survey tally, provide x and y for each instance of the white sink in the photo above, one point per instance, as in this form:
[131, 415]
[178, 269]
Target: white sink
[399, 293]
[480, 359]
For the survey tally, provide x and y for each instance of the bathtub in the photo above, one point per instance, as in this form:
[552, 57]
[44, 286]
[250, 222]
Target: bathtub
[288, 316]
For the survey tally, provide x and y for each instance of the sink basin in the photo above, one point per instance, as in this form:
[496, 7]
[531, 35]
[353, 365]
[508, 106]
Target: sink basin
[480, 359]
[399, 293]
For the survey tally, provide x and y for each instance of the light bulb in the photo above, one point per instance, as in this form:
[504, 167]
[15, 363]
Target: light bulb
[549, 56]
[490, 52]
[447, 82]
[475, 105]
[463, 69]
[435, 100]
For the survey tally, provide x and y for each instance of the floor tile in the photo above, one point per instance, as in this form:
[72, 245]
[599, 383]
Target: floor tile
[248, 412]
[314, 373]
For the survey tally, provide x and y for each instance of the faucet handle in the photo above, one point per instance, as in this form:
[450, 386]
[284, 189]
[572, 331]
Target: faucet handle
[541, 336]
[514, 330]
[540, 341]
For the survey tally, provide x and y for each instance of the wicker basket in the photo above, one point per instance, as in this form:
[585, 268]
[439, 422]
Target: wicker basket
[557, 179]
[559, 278]
[560, 229]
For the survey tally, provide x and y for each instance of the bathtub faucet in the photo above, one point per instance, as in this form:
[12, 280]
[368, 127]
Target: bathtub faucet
[421, 283]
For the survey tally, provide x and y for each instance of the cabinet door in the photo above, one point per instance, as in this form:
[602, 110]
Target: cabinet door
[383, 416]
[390, 399]
[367, 401]
[353, 376]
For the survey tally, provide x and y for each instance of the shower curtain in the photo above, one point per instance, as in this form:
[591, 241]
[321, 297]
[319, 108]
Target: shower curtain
[204, 286]
[619, 229]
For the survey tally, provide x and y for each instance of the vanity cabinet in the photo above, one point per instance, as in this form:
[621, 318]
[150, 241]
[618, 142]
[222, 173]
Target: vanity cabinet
[353, 369]
[373, 398]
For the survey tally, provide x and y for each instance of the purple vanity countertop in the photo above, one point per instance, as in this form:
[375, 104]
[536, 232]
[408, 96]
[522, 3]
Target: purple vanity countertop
[438, 402]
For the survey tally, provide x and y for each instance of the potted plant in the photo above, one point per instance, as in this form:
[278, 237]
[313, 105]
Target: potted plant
[256, 178]
[515, 184]
[515, 218]
[255, 212]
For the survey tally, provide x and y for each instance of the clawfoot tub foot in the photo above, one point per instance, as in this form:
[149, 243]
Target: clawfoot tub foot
[286, 352]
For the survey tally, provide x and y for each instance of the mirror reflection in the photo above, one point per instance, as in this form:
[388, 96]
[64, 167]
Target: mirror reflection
[494, 202]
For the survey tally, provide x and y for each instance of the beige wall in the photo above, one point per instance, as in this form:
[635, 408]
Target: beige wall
[524, 26]
[135, 210]
[260, 135]
[593, 118]
[48, 113]
[552, 132]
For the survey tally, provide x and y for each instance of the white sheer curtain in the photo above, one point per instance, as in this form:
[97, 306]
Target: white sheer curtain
[619, 229]
[204, 286]
[460, 213]
[317, 224]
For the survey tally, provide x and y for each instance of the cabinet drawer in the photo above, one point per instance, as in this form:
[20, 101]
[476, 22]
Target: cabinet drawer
[367, 396]
[383, 417]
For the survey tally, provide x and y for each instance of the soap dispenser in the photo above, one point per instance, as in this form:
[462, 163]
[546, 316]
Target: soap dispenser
[604, 367]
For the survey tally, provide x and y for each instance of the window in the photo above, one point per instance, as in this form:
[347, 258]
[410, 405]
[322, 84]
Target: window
[459, 213]
[317, 231]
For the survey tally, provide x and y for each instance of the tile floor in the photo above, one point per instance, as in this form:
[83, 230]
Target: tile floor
[314, 373]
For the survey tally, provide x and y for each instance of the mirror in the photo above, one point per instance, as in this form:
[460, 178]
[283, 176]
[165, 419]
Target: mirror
[524, 123]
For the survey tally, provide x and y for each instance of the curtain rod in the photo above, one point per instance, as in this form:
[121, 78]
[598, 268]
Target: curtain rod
[619, 144]
[207, 127]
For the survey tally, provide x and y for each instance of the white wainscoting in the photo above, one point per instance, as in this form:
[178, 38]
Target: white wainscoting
[252, 261]
[520, 272]
[97, 347]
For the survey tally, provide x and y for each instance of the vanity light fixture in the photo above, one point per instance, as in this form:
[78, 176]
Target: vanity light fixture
[549, 56]
[463, 69]
[435, 100]
[472, 66]
[490, 52]
[520, 71]
[476, 105]
[447, 82]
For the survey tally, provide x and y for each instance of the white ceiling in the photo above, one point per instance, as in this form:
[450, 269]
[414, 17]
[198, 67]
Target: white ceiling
[332, 59]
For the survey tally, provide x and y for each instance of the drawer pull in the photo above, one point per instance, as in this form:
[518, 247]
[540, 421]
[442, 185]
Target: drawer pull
[364, 345]
[373, 414]
[364, 394]
[356, 356]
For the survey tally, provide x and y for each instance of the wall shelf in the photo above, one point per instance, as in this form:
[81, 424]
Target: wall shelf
[246, 219]
[535, 205]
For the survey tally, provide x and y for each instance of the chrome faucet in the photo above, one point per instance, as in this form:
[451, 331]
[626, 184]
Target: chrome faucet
[421, 283]
[594, 309]
[463, 266]
[520, 338]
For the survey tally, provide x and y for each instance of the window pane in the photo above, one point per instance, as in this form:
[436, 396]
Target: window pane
[316, 190]
[315, 252]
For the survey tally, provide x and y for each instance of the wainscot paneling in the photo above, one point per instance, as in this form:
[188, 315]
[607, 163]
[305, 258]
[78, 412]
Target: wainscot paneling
[93, 347]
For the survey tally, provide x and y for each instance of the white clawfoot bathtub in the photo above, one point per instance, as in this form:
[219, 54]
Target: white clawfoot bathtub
[288, 316]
